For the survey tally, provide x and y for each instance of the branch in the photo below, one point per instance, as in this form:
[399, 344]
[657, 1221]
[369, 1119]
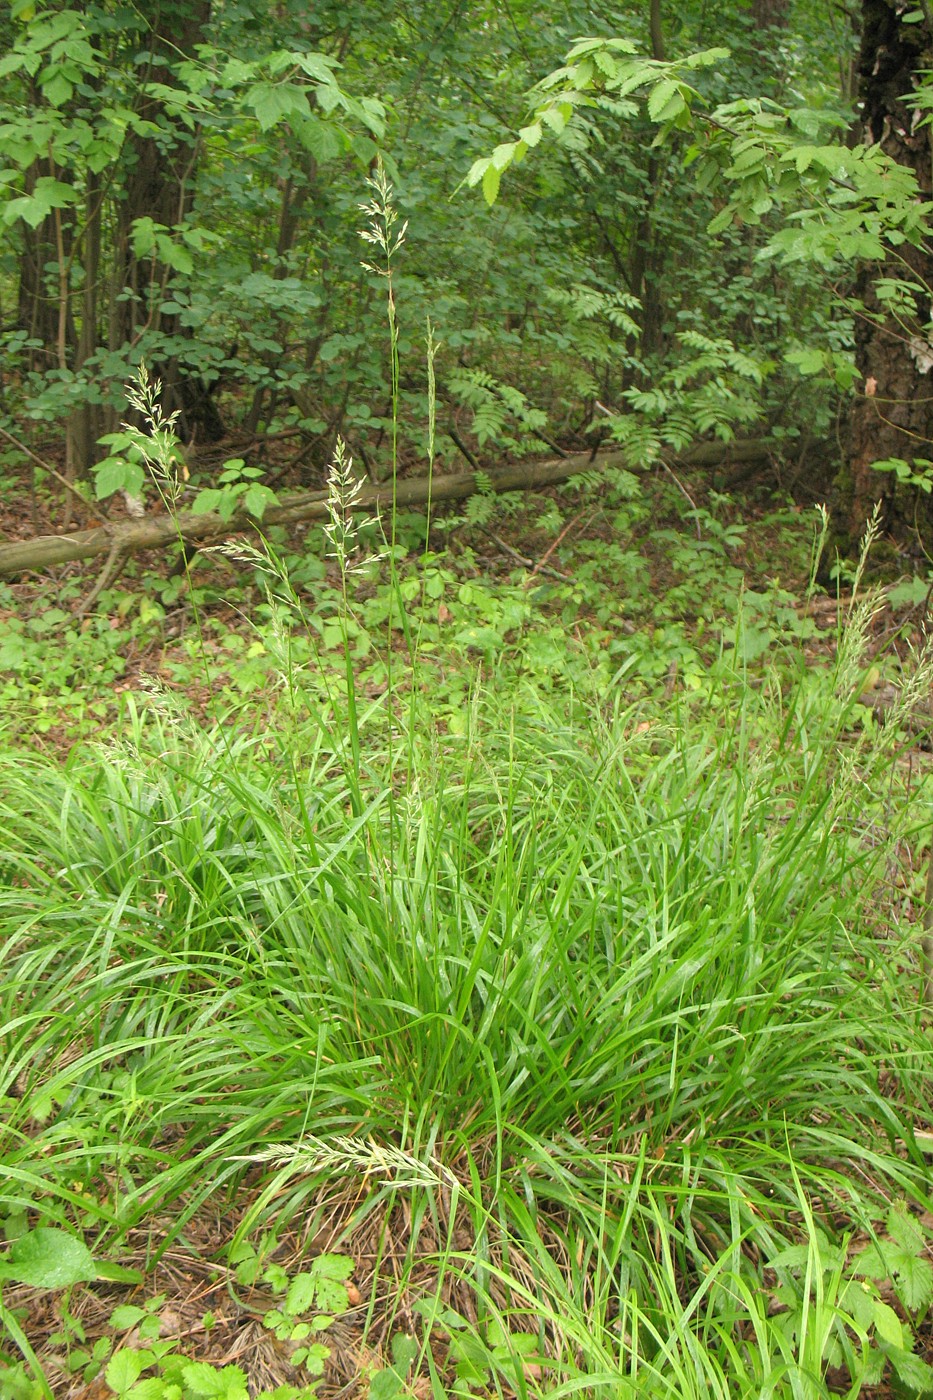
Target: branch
[159, 531]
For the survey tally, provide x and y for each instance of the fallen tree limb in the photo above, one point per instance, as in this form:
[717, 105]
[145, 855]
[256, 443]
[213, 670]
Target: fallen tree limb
[121, 538]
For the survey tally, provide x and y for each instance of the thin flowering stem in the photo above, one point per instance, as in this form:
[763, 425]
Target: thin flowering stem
[384, 233]
[342, 531]
[160, 448]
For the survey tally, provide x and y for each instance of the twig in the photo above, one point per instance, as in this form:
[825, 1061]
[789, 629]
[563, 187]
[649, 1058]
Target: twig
[47, 467]
[550, 442]
[112, 568]
[682, 488]
[524, 560]
[538, 568]
[457, 440]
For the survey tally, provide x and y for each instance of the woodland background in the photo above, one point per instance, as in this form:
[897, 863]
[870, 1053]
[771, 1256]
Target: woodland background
[466, 897]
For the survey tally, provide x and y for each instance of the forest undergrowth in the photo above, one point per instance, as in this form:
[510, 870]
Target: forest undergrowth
[553, 1030]
[451, 983]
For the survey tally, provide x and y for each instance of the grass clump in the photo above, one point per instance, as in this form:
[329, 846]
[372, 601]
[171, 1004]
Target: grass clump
[583, 1031]
[596, 1017]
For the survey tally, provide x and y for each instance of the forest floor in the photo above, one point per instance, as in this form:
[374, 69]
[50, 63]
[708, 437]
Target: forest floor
[148, 1079]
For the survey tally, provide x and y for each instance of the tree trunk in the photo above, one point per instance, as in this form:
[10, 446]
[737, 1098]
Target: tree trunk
[159, 185]
[893, 417]
[769, 14]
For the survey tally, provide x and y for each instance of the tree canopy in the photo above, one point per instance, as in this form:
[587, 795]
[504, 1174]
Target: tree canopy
[688, 226]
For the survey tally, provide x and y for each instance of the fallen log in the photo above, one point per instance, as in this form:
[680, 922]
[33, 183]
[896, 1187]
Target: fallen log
[117, 539]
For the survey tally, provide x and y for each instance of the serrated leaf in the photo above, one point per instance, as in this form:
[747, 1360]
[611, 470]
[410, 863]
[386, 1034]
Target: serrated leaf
[203, 1379]
[317, 66]
[915, 1373]
[914, 1278]
[491, 179]
[557, 117]
[721, 221]
[477, 171]
[152, 1388]
[794, 1257]
[907, 1231]
[300, 1296]
[503, 155]
[660, 95]
[126, 1316]
[322, 139]
[173, 254]
[275, 102]
[316, 1357]
[334, 1266]
[124, 1369]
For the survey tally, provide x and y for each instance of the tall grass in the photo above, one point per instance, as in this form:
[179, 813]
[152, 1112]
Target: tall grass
[622, 985]
[597, 1015]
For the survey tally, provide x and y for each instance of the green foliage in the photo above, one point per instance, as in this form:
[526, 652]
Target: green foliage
[538, 903]
[630, 903]
[915, 473]
[46, 1258]
[239, 488]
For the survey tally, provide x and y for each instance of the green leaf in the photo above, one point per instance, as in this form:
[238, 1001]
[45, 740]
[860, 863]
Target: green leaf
[333, 1266]
[808, 361]
[174, 254]
[557, 117]
[203, 1379]
[276, 102]
[205, 503]
[902, 1226]
[300, 1296]
[911, 1370]
[126, 1316]
[143, 236]
[503, 155]
[317, 65]
[316, 1357]
[665, 101]
[258, 498]
[57, 89]
[914, 1279]
[124, 1369]
[119, 1273]
[48, 1258]
[117, 474]
[153, 1388]
[48, 194]
[887, 1324]
[386, 1385]
[491, 179]
[477, 171]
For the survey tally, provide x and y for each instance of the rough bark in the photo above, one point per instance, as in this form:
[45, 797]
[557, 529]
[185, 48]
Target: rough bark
[770, 14]
[894, 415]
[158, 531]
